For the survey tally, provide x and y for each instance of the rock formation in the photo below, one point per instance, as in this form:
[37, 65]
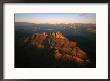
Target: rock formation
[63, 48]
[57, 35]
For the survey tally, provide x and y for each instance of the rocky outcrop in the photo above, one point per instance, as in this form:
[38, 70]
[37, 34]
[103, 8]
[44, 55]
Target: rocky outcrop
[57, 35]
[63, 48]
[37, 39]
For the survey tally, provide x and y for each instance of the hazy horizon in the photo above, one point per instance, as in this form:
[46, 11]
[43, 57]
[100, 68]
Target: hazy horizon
[56, 18]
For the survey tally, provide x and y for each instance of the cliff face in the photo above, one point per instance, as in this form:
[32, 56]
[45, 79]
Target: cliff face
[63, 48]
[57, 35]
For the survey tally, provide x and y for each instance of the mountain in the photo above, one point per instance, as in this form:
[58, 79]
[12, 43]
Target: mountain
[63, 49]
[24, 24]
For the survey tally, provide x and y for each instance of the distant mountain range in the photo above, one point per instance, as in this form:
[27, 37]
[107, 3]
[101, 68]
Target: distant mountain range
[24, 24]
[29, 23]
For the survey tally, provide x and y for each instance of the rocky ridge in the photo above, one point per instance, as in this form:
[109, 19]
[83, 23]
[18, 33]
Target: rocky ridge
[64, 49]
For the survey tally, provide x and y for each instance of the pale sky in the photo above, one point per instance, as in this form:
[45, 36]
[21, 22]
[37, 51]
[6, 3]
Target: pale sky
[56, 18]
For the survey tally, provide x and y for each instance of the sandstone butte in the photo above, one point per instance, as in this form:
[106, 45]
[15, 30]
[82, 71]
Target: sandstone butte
[63, 48]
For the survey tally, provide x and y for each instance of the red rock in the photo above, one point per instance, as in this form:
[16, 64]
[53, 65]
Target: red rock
[72, 44]
[57, 55]
[64, 49]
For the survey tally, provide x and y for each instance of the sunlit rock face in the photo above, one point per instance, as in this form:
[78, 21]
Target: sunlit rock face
[57, 35]
[64, 49]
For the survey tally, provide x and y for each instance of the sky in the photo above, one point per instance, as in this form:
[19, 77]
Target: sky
[56, 18]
